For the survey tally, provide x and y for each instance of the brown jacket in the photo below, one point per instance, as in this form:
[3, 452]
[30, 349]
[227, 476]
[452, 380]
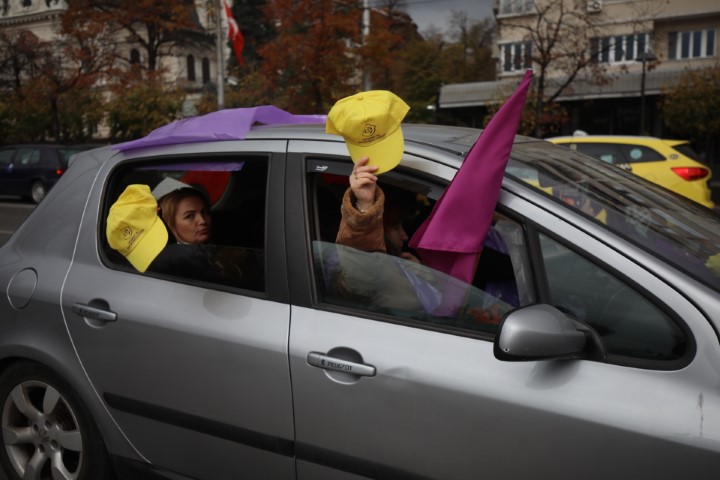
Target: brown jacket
[363, 231]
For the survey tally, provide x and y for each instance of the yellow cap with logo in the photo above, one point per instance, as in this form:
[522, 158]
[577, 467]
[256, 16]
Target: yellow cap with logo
[370, 124]
[134, 228]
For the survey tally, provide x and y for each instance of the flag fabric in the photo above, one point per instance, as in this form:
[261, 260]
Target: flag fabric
[451, 238]
[228, 124]
[234, 34]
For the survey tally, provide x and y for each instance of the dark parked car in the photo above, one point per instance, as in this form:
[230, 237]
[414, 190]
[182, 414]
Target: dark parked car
[318, 363]
[31, 170]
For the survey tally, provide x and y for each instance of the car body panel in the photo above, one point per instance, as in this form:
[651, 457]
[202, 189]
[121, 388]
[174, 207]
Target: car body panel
[233, 347]
[658, 171]
[431, 383]
[198, 381]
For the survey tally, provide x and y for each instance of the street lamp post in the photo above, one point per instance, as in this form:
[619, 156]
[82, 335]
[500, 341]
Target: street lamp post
[643, 57]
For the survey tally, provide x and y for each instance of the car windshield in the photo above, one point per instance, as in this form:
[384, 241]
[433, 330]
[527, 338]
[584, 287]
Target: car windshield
[679, 231]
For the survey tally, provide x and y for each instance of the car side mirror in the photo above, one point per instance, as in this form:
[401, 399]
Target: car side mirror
[541, 332]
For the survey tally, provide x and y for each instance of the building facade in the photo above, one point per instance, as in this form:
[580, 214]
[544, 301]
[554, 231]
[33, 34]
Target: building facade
[193, 64]
[642, 46]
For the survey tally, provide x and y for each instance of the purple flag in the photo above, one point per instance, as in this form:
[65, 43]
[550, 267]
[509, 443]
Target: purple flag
[228, 124]
[452, 237]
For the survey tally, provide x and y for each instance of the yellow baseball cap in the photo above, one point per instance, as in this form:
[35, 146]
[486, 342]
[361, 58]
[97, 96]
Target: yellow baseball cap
[370, 124]
[134, 227]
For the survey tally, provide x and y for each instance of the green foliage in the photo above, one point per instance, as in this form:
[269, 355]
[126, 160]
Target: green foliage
[83, 110]
[691, 107]
[140, 105]
[24, 119]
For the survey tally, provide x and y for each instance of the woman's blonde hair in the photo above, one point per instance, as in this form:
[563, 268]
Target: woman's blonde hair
[169, 202]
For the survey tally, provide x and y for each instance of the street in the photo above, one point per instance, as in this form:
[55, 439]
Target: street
[12, 213]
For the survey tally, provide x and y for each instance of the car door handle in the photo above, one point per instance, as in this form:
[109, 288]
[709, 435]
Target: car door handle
[326, 362]
[94, 313]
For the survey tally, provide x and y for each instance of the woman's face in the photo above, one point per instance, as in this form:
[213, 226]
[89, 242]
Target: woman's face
[396, 235]
[192, 221]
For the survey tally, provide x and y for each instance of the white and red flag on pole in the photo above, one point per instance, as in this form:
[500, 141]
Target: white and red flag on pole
[234, 34]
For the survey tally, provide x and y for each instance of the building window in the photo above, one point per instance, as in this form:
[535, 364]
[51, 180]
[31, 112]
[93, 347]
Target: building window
[191, 68]
[695, 44]
[618, 48]
[510, 7]
[134, 57]
[516, 56]
[205, 70]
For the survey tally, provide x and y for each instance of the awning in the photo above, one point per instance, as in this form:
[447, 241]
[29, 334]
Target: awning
[622, 85]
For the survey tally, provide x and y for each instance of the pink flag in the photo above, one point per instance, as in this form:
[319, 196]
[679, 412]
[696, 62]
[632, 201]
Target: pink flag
[234, 34]
[452, 237]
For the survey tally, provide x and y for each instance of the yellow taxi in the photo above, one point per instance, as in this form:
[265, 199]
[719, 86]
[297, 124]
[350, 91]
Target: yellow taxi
[669, 163]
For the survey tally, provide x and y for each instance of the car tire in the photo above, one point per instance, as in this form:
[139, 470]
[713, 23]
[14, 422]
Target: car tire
[46, 430]
[37, 191]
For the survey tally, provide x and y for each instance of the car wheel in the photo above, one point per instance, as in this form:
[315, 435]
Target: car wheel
[37, 192]
[46, 432]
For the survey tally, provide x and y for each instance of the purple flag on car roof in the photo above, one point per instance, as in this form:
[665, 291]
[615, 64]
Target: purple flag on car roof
[229, 124]
[452, 237]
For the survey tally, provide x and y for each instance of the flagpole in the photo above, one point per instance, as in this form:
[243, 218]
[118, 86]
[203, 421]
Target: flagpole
[220, 57]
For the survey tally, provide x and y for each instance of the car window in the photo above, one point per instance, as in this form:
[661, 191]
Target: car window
[6, 156]
[381, 283]
[640, 153]
[27, 157]
[682, 233]
[607, 152]
[235, 191]
[628, 323]
[688, 151]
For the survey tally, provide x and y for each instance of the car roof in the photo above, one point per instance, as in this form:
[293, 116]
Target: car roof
[455, 141]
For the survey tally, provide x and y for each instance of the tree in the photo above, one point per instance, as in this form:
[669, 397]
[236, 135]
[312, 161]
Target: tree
[154, 25]
[559, 34]
[141, 104]
[22, 115]
[691, 107]
[39, 76]
[469, 57]
[309, 63]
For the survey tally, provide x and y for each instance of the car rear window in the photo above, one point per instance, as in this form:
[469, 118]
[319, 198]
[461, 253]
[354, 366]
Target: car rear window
[688, 151]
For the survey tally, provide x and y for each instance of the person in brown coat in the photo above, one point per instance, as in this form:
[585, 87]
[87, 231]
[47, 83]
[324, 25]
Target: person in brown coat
[372, 222]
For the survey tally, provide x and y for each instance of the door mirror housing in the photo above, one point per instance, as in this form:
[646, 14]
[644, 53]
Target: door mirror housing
[541, 332]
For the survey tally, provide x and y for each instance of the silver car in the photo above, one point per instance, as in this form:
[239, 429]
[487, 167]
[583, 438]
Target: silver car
[586, 347]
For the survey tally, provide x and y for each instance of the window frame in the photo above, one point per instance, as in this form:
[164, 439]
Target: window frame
[533, 232]
[117, 177]
[692, 44]
[507, 8]
[435, 186]
[608, 48]
[516, 56]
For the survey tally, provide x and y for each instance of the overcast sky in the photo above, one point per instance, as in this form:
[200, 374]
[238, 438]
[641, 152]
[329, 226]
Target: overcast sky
[437, 12]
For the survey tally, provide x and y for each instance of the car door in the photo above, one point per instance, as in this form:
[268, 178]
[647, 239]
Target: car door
[193, 370]
[382, 393]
